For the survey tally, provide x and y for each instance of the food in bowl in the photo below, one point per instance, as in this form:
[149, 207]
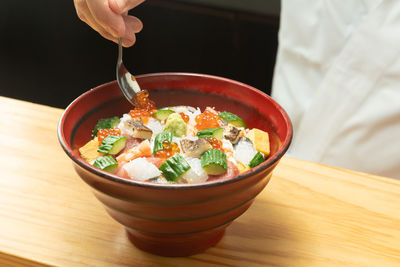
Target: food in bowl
[177, 144]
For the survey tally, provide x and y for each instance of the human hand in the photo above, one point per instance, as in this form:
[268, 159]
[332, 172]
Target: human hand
[110, 18]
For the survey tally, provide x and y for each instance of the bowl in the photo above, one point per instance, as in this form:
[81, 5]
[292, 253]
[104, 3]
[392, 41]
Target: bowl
[176, 219]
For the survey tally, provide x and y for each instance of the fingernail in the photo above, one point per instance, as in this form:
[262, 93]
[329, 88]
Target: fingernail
[128, 41]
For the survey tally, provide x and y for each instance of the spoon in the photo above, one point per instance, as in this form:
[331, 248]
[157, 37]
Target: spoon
[126, 81]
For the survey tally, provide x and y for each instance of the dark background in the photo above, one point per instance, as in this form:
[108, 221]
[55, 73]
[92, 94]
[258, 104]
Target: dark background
[48, 56]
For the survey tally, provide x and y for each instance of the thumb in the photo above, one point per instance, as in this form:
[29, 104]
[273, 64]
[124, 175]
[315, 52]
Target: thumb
[123, 6]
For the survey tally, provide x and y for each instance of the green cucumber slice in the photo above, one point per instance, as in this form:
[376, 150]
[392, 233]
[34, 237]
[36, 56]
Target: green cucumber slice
[217, 133]
[174, 167]
[256, 160]
[160, 138]
[112, 144]
[106, 163]
[232, 119]
[106, 123]
[163, 113]
[213, 161]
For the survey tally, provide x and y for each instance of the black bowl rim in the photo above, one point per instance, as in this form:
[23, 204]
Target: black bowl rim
[114, 178]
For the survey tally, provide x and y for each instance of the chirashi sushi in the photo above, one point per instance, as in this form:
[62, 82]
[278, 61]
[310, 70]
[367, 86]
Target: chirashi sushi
[180, 144]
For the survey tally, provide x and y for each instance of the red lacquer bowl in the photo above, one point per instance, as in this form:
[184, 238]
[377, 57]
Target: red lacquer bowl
[176, 219]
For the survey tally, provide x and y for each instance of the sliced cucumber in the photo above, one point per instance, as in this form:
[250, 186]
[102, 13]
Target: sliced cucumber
[106, 163]
[213, 161]
[112, 144]
[232, 119]
[163, 113]
[174, 167]
[106, 123]
[217, 133]
[160, 138]
[256, 160]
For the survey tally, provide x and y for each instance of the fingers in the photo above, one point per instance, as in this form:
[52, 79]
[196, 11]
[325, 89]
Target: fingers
[108, 18]
[113, 23]
[84, 14]
[123, 6]
[133, 25]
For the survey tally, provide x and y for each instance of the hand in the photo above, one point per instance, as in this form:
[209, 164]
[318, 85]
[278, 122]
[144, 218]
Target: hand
[110, 18]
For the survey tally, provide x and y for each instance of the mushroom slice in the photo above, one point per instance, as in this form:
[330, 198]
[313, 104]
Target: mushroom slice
[195, 148]
[232, 134]
[139, 130]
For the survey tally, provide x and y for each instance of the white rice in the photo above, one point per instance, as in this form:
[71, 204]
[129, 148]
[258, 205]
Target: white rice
[192, 117]
[154, 125]
[228, 147]
[226, 144]
[179, 109]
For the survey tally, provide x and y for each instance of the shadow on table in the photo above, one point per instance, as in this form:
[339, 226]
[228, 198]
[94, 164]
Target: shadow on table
[267, 234]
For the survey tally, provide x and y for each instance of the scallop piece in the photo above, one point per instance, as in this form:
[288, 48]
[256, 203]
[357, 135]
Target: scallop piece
[141, 169]
[244, 151]
[196, 173]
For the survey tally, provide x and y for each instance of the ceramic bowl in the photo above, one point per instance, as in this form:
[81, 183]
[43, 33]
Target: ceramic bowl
[176, 219]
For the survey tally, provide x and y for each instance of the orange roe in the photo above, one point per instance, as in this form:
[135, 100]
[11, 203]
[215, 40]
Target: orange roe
[144, 106]
[103, 133]
[143, 101]
[142, 113]
[168, 151]
[207, 119]
[215, 143]
[184, 117]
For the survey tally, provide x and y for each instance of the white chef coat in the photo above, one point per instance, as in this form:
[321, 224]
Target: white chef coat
[338, 76]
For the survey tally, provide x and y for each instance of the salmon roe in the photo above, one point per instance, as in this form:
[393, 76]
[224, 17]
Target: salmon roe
[103, 133]
[142, 113]
[215, 143]
[168, 151]
[144, 106]
[207, 119]
[185, 117]
[143, 101]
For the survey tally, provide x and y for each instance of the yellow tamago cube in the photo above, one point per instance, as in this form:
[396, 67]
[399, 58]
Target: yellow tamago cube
[89, 151]
[260, 140]
[242, 168]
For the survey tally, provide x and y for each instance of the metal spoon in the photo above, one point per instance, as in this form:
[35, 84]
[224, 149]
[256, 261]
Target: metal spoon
[126, 81]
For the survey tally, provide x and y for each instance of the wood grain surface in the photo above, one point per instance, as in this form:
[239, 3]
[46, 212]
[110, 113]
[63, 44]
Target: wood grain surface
[309, 214]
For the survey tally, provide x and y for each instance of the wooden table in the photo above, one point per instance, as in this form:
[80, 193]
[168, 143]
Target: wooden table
[309, 214]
